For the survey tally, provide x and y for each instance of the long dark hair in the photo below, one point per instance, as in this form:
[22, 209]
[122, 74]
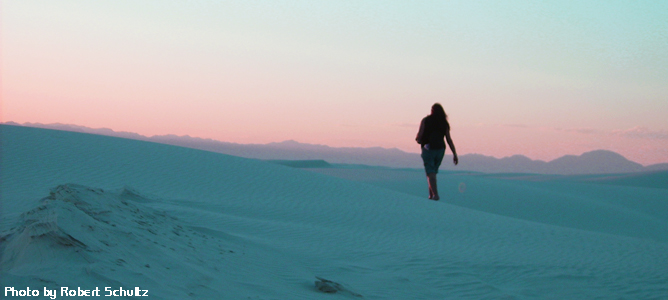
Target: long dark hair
[441, 117]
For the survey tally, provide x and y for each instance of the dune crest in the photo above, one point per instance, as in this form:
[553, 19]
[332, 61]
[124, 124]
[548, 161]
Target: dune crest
[107, 236]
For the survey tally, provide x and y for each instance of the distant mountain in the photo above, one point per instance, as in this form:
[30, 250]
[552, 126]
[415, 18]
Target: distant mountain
[594, 162]
[657, 167]
[599, 162]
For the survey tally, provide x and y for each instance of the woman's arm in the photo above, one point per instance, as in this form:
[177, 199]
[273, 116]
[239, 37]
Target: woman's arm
[452, 147]
[420, 133]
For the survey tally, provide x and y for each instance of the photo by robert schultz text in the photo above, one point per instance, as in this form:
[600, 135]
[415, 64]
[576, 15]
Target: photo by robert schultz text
[78, 292]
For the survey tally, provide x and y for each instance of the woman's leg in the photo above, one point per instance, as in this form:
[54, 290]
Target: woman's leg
[431, 194]
[432, 160]
[433, 190]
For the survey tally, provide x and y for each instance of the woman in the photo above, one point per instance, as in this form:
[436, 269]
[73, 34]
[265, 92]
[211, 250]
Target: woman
[430, 136]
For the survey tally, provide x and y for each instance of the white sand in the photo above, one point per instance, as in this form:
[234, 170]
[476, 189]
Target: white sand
[184, 223]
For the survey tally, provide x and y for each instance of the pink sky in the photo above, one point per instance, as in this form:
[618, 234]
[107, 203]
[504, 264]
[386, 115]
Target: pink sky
[536, 80]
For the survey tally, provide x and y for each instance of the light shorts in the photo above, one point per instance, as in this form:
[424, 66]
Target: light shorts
[432, 159]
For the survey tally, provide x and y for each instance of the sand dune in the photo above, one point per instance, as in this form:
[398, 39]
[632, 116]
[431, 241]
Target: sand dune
[634, 205]
[90, 211]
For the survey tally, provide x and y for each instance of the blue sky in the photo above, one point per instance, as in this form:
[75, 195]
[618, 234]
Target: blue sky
[541, 79]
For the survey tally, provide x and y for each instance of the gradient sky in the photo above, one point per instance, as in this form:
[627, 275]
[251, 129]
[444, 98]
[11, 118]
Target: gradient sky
[538, 78]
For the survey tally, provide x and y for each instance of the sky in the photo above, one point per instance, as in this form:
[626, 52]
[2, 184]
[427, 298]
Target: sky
[537, 78]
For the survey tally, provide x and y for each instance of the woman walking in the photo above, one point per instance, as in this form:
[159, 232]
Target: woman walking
[433, 129]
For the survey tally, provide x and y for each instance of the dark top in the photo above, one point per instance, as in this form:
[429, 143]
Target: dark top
[431, 133]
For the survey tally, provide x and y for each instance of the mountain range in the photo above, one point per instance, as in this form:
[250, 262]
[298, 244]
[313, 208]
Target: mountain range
[594, 162]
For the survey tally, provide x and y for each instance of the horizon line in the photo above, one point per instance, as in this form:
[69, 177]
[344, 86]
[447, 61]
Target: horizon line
[82, 127]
